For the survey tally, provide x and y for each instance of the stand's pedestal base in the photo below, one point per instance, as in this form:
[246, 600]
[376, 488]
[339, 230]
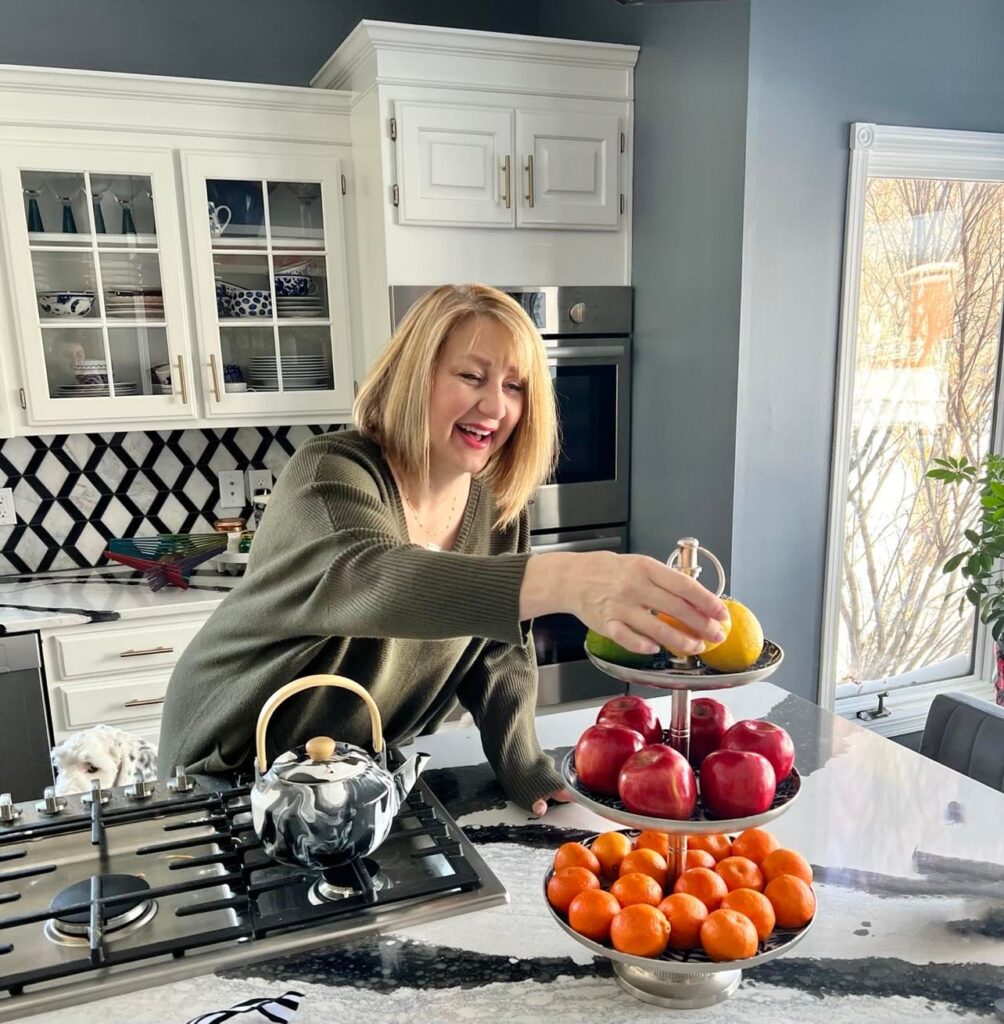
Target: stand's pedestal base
[677, 991]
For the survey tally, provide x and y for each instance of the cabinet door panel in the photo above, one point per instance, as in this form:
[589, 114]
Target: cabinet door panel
[451, 165]
[568, 170]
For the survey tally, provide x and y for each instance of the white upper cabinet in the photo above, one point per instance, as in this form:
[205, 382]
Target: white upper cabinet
[568, 170]
[454, 165]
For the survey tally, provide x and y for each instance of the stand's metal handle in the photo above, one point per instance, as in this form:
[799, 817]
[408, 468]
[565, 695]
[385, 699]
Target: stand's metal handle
[686, 554]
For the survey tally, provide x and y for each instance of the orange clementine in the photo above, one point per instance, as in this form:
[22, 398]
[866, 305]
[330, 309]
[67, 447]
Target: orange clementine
[755, 906]
[786, 862]
[728, 935]
[571, 855]
[648, 862]
[698, 859]
[740, 873]
[754, 843]
[718, 846]
[650, 840]
[610, 849]
[709, 645]
[793, 901]
[685, 914]
[564, 885]
[634, 887]
[641, 930]
[708, 886]
[591, 913]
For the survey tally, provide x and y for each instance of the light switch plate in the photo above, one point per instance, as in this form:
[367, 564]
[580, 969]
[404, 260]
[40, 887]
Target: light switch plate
[258, 479]
[8, 517]
[231, 488]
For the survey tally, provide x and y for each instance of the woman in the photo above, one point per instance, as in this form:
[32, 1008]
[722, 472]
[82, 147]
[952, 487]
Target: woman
[398, 555]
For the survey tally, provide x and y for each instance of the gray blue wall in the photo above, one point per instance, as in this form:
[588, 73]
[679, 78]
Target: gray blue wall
[277, 41]
[815, 66]
[690, 136]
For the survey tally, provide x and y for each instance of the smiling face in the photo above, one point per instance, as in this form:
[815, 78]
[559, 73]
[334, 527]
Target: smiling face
[477, 396]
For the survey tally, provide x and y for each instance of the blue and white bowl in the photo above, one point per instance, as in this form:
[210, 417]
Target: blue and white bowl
[291, 284]
[65, 303]
[250, 302]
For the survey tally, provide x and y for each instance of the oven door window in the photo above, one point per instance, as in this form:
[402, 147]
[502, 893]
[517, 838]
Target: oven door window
[587, 409]
[558, 639]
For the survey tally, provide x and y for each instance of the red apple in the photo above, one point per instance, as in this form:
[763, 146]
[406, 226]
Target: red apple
[658, 782]
[737, 783]
[634, 712]
[763, 738]
[710, 720]
[601, 751]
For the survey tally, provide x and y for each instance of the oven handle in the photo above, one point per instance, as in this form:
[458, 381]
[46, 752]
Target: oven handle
[586, 544]
[585, 352]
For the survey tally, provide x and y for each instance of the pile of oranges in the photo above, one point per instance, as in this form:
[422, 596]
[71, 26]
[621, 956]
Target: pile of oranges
[730, 897]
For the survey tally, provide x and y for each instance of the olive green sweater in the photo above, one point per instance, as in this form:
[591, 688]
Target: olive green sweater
[334, 585]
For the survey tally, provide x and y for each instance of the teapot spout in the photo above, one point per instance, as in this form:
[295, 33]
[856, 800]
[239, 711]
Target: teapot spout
[407, 775]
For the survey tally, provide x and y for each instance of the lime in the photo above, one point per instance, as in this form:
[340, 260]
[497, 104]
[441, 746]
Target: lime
[609, 650]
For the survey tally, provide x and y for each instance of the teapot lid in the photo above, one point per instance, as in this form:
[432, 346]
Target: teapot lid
[322, 759]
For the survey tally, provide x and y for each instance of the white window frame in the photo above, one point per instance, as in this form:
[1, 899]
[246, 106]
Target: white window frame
[888, 151]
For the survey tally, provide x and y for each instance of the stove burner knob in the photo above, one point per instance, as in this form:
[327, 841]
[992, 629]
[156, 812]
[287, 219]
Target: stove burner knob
[181, 783]
[8, 812]
[50, 803]
[141, 788]
[96, 793]
[577, 313]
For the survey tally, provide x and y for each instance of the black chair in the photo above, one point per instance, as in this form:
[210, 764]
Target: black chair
[967, 734]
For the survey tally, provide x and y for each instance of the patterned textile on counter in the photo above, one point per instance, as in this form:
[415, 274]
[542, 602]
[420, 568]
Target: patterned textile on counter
[281, 1010]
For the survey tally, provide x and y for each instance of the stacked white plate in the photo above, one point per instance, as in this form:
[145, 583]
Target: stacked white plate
[299, 373]
[300, 305]
[127, 387]
[142, 304]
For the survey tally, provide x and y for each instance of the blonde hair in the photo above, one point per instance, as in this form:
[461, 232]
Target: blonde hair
[392, 407]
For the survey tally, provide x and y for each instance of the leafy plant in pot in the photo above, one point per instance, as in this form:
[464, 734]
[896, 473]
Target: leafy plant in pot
[979, 563]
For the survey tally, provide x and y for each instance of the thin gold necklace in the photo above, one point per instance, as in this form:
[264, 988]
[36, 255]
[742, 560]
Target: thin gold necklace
[430, 544]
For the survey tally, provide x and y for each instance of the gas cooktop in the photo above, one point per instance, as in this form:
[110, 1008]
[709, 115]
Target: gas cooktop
[122, 889]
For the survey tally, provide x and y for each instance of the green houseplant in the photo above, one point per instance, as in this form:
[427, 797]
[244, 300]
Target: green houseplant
[980, 562]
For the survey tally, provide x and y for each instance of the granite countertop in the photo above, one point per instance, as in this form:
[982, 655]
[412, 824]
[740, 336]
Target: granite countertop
[82, 596]
[909, 865]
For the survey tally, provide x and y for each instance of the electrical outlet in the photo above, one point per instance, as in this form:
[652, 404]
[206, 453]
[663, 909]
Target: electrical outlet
[231, 488]
[258, 479]
[8, 517]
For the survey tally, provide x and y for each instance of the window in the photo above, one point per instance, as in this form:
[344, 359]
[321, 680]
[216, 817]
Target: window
[919, 373]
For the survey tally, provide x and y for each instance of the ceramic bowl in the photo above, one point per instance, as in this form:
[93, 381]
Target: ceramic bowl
[250, 302]
[65, 303]
[91, 378]
[233, 387]
[291, 284]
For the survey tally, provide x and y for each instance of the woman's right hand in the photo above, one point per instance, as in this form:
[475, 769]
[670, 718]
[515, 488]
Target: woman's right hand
[616, 595]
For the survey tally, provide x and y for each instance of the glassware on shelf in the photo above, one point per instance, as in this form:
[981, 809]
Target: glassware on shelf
[99, 217]
[34, 213]
[128, 224]
[306, 193]
[69, 223]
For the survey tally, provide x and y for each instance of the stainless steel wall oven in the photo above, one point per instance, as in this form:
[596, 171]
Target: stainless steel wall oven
[585, 506]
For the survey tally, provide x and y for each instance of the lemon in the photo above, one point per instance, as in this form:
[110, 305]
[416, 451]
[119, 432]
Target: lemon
[676, 624]
[609, 650]
[741, 647]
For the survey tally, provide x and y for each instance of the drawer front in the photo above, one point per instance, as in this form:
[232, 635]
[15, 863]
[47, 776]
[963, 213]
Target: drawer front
[153, 645]
[127, 700]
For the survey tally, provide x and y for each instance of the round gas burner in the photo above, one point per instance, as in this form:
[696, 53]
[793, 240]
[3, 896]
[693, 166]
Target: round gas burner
[340, 883]
[130, 914]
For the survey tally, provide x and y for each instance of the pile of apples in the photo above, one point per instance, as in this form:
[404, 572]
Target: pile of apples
[741, 763]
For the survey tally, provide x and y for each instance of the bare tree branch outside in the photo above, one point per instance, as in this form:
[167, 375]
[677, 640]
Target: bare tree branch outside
[928, 344]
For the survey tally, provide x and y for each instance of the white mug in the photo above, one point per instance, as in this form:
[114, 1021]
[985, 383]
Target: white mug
[216, 225]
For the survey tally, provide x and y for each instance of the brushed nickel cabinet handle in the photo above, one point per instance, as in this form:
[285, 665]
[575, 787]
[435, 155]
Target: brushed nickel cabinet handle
[181, 379]
[506, 171]
[151, 650]
[529, 178]
[216, 376]
[139, 703]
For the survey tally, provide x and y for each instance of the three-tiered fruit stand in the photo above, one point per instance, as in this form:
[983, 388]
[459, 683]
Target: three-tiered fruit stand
[690, 979]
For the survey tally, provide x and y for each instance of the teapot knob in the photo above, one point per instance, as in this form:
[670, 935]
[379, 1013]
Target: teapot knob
[320, 748]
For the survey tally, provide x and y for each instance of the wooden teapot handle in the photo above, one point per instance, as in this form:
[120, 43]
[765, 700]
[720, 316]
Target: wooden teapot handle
[270, 707]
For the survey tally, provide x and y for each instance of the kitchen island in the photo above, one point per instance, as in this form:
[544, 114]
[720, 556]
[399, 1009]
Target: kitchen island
[909, 865]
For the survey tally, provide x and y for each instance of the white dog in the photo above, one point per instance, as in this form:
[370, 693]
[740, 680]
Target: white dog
[101, 752]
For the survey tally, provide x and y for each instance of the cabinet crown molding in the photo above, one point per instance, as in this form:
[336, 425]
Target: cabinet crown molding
[387, 52]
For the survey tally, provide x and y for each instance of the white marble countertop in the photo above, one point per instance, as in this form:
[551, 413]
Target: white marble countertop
[82, 596]
[897, 938]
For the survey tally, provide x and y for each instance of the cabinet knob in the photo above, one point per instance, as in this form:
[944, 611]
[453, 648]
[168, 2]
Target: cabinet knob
[578, 313]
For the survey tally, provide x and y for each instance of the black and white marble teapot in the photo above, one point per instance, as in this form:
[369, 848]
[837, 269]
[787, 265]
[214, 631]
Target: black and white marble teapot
[327, 802]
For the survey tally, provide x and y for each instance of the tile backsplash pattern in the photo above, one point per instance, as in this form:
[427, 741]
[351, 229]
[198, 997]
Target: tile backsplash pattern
[72, 493]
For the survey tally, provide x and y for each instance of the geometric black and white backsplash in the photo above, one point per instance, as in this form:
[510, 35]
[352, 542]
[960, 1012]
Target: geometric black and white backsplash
[73, 492]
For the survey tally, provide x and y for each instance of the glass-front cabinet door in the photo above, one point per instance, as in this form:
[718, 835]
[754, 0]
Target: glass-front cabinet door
[269, 266]
[95, 262]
